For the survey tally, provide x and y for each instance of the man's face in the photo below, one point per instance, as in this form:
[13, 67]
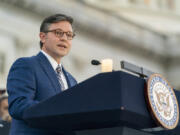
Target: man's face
[55, 46]
[4, 107]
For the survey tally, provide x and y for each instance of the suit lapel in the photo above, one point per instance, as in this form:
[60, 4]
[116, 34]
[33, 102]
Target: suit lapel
[67, 77]
[48, 69]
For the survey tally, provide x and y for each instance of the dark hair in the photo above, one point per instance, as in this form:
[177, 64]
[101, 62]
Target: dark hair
[2, 91]
[53, 19]
[3, 98]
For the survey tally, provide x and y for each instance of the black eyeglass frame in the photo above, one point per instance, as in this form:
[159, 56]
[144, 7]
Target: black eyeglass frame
[61, 35]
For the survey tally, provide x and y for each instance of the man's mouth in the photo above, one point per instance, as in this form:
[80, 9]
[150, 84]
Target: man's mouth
[61, 45]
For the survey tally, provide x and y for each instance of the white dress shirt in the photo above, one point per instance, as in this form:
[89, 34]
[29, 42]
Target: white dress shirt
[54, 64]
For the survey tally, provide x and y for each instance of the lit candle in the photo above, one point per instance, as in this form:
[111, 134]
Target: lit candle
[106, 65]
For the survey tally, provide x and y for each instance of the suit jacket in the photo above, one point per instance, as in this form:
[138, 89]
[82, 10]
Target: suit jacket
[31, 80]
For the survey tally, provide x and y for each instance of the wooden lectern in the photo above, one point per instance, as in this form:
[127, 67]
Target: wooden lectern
[107, 104]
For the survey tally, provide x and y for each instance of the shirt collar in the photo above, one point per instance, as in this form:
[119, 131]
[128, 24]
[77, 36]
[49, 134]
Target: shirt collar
[53, 63]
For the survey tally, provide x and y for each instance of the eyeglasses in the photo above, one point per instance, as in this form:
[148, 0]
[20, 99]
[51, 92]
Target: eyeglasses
[59, 33]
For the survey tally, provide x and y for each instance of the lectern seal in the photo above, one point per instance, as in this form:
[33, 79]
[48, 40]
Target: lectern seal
[162, 102]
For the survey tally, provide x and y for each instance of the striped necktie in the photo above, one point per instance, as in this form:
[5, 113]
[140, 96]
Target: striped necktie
[59, 73]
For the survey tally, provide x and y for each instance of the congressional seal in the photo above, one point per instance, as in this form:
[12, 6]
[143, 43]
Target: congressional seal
[162, 102]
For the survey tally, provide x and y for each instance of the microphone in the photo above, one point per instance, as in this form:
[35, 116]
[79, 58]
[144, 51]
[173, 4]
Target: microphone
[95, 62]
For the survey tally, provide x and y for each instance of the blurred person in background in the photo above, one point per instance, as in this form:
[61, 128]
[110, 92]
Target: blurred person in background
[4, 114]
[5, 118]
[36, 78]
[2, 91]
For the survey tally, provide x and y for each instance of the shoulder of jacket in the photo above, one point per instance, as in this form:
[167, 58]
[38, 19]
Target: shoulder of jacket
[25, 60]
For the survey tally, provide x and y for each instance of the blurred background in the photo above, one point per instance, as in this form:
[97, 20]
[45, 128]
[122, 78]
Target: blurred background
[143, 32]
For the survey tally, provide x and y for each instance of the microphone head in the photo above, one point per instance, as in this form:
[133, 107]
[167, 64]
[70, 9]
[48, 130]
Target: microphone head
[95, 62]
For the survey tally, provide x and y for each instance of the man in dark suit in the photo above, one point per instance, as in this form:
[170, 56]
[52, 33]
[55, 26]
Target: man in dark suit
[36, 78]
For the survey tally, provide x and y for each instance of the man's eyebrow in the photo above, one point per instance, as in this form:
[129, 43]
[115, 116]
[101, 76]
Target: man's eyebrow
[61, 30]
[57, 29]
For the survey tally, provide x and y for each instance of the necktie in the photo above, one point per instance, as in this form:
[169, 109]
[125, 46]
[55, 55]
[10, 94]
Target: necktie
[59, 73]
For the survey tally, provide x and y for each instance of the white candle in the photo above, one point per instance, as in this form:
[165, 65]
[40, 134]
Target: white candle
[106, 65]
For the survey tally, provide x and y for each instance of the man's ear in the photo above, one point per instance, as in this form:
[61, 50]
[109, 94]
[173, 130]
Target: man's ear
[42, 36]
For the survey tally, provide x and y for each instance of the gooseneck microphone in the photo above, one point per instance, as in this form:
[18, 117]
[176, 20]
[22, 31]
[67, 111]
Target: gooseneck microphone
[95, 62]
